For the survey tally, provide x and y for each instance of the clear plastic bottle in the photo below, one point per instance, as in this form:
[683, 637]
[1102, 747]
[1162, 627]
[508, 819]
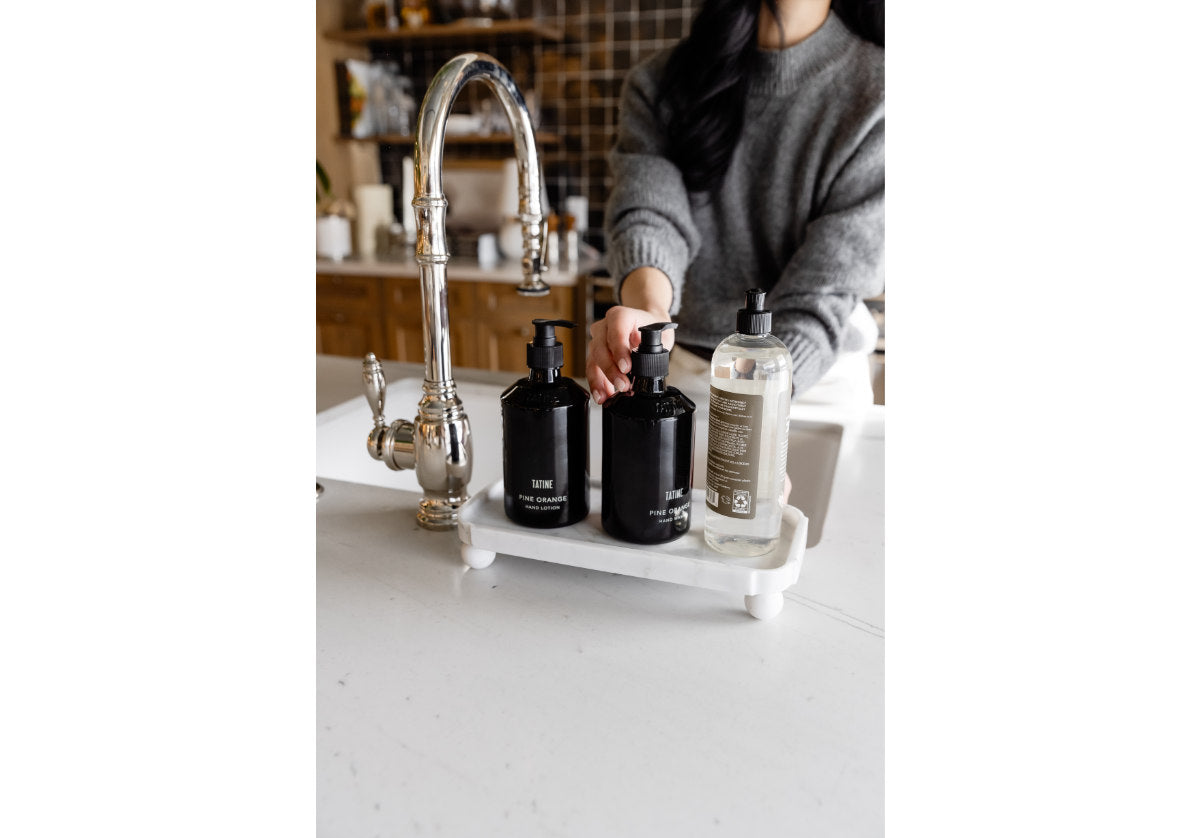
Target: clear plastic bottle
[749, 405]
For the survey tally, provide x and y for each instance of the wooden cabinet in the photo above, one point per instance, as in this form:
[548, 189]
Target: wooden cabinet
[504, 324]
[460, 303]
[402, 319]
[348, 315]
[490, 323]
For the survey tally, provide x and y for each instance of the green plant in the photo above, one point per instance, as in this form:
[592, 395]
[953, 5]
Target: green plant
[323, 187]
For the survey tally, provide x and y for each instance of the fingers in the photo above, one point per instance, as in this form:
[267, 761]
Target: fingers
[608, 360]
[613, 340]
[622, 335]
[600, 366]
[668, 339]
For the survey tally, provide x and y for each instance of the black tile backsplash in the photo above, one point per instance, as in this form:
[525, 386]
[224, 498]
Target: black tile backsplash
[573, 86]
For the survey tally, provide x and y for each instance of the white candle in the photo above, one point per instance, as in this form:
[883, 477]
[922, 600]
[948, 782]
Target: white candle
[333, 237]
[374, 202]
[577, 206]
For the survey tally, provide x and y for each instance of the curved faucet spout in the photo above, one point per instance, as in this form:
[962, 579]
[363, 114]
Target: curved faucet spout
[429, 201]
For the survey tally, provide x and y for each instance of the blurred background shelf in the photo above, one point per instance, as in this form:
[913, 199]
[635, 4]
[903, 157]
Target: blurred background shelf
[526, 30]
[542, 137]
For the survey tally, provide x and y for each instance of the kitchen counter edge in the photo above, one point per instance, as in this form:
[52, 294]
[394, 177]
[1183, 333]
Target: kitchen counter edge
[458, 269]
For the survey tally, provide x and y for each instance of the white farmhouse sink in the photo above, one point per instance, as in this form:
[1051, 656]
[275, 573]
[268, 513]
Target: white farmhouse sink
[813, 446]
[342, 436]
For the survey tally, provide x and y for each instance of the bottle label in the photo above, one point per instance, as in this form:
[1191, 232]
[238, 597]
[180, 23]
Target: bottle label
[734, 433]
[675, 510]
[541, 496]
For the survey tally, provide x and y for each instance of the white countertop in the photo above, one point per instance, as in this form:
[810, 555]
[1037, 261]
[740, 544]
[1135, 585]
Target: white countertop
[538, 699]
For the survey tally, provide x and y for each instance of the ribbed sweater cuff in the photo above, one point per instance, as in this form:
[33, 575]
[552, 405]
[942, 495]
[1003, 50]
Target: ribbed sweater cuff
[809, 364]
[628, 254]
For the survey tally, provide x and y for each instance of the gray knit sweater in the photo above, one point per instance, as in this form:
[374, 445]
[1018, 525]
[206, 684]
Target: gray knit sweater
[800, 212]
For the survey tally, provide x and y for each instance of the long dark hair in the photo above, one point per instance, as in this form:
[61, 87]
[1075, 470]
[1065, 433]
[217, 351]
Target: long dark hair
[705, 80]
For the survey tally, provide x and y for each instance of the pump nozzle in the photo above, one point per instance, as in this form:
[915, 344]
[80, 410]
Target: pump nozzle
[545, 351]
[652, 337]
[650, 359]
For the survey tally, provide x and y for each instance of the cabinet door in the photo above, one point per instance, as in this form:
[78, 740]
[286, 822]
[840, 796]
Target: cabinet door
[403, 321]
[348, 321]
[505, 325]
[460, 300]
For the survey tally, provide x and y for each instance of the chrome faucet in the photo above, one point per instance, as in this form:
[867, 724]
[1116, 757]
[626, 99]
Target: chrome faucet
[438, 443]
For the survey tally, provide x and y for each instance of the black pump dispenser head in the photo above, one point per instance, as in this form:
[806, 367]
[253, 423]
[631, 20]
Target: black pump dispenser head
[650, 360]
[544, 351]
[754, 319]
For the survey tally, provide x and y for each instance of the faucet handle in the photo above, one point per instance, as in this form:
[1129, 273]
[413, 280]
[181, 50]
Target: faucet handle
[391, 443]
[375, 386]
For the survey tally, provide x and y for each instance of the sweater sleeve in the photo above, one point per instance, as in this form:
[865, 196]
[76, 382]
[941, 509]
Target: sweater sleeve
[648, 218]
[838, 264]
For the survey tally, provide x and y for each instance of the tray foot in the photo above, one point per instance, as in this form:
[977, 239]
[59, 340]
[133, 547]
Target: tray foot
[476, 557]
[764, 606]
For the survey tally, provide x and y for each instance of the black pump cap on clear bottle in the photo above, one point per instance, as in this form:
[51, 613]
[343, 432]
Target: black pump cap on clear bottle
[545, 352]
[650, 359]
[754, 319]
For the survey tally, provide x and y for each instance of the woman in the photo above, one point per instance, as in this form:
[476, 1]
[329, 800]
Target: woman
[750, 155]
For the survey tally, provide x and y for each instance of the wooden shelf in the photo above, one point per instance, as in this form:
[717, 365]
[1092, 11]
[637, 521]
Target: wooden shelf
[531, 30]
[451, 139]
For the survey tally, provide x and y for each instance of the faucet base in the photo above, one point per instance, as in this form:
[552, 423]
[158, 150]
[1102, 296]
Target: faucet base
[437, 514]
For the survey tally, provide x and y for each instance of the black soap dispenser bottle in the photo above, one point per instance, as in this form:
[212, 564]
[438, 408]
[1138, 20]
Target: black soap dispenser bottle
[646, 461]
[544, 418]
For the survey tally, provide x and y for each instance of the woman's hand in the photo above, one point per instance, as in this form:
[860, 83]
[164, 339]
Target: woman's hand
[646, 293]
[613, 339]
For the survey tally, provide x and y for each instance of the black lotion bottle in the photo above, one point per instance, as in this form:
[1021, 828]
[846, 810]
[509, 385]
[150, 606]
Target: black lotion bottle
[646, 461]
[545, 426]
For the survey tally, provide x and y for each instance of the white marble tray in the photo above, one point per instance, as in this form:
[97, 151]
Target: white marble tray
[485, 530]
